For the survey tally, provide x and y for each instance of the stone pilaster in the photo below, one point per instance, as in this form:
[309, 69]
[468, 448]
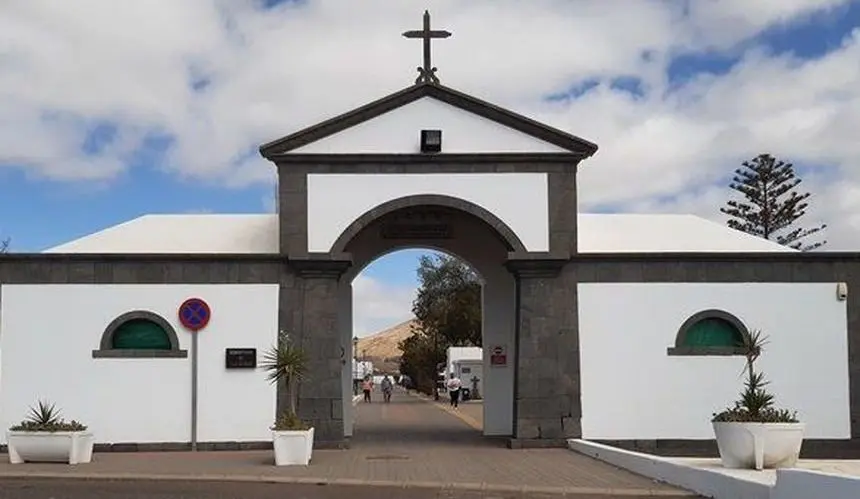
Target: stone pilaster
[547, 406]
[292, 211]
[563, 210]
[309, 312]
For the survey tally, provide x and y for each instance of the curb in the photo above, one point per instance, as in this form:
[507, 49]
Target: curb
[464, 486]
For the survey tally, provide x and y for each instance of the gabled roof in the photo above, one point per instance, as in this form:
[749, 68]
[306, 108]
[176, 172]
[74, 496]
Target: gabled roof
[258, 234]
[468, 103]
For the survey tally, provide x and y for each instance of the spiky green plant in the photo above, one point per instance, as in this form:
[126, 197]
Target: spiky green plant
[45, 416]
[755, 404]
[286, 362]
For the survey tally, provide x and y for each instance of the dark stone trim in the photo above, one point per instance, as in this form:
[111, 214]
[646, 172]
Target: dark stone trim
[508, 236]
[537, 443]
[445, 94]
[110, 330]
[681, 348]
[525, 162]
[343, 444]
[812, 448]
[704, 351]
[10, 258]
[319, 267]
[106, 349]
[689, 257]
[536, 267]
[175, 446]
[140, 354]
[47, 268]
[642, 269]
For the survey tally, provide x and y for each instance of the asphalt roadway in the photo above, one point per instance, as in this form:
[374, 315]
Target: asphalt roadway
[52, 488]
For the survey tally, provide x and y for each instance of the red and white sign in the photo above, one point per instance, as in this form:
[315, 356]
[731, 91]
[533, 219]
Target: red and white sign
[498, 356]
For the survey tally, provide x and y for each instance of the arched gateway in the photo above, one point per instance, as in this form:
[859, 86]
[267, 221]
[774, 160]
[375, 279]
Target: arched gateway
[432, 167]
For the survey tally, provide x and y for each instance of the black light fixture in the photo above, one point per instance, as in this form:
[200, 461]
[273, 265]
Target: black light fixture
[431, 140]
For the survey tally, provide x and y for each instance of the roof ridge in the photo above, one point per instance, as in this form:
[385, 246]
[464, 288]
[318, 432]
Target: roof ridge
[474, 105]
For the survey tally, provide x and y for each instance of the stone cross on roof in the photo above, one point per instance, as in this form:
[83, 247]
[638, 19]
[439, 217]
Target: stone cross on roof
[427, 74]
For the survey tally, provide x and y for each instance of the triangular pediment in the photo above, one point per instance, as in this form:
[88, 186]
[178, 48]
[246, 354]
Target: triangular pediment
[392, 125]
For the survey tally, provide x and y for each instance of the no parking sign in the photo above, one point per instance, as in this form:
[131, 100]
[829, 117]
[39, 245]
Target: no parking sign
[194, 314]
[498, 356]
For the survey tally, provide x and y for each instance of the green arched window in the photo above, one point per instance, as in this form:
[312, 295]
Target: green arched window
[139, 334]
[711, 332]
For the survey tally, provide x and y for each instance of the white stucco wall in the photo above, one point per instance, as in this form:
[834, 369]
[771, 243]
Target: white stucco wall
[48, 332]
[399, 132]
[517, 199]
[236, 404]
[631, 388]
[455, 354]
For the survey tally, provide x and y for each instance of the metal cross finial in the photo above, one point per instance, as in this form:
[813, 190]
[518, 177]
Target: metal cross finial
[427, 74]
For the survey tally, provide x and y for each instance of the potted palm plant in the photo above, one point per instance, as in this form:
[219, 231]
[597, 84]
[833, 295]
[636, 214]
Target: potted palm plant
[293, 439]
[46, 437]
[753, 433]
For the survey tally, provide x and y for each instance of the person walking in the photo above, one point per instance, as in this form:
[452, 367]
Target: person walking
[454, 384]
[366, 387]
[387, 387]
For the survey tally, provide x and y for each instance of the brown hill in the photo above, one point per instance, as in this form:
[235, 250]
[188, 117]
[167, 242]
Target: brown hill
[382, 348]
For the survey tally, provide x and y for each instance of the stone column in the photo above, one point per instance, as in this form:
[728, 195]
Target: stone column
[310, 314]
[563, 210]
[547, 406]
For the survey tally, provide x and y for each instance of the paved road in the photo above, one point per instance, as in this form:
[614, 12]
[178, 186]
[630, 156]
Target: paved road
[413, 422]
[86, 489]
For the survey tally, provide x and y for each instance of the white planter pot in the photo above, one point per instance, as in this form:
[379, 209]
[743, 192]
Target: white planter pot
[293, 447]
[72, 447]
[759, 445]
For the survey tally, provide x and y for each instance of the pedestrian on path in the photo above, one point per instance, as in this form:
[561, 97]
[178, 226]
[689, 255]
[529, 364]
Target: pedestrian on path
[367, 386]
[454, 385]
[387, 386]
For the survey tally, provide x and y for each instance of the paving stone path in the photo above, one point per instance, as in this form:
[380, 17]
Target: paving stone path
[411, 442]
[413, 438]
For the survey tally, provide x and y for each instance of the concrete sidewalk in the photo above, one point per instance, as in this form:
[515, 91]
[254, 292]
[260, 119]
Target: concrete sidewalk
[410, 442]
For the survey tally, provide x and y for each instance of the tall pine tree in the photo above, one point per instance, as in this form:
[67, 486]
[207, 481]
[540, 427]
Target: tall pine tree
[772, 206]
[4, 245]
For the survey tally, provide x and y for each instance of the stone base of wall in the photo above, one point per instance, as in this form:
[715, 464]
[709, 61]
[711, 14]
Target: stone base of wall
[201, 446]
[812, 448]
[537, 443]
[332, 444]
[174, 446]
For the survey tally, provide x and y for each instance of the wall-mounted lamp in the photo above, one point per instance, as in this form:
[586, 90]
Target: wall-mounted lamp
[431, 140]
[841, 291]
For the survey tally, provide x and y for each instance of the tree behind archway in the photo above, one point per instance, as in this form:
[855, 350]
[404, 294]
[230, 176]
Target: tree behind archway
[448, 303]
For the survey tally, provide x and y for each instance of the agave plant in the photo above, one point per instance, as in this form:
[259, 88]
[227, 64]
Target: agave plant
[755, 404]
[286, 362]
[46, 417]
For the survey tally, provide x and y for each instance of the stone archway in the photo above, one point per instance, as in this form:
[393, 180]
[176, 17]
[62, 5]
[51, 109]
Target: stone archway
[424, 202]
[459, 228]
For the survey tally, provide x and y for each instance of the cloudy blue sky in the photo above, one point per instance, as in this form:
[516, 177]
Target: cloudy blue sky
[110, 110]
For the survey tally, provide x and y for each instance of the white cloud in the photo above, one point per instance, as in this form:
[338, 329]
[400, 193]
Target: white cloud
[378, 305]
[66, 66]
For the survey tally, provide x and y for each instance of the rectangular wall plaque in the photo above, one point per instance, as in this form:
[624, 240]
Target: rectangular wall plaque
[416, 231]
[240, 358]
